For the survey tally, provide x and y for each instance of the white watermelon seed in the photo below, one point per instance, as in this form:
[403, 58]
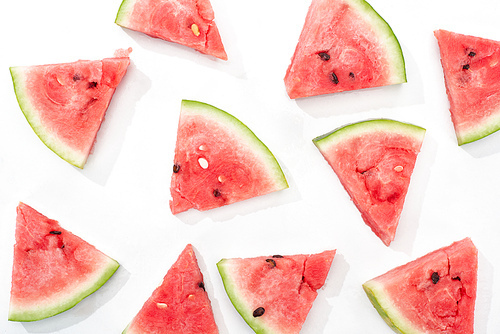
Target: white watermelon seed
[161, 305]
[221, 178]
[202, 148]
[195, 29]
[398, 168]
[203, 163]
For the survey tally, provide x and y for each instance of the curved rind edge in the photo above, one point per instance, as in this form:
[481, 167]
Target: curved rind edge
[39, 314]
[124, 12]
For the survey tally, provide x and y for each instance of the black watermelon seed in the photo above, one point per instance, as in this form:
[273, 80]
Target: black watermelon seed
[324, 56]
[472, 54]
[466, 67]
[76, 77]
[456, 278]
[278, 256]
[259, 311]
[55, 232]
[201, 285]
[92, 84]
[176, 168]
[435, 277]
[271, 262]
[351, 75]
[334, 78]
[217, 193]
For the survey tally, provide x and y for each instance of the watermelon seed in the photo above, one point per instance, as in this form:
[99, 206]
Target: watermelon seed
[177, 168]
[334, 78]
[201, 285]
[435, 277]
[456, 278]
[55, 232]
[221, 178]
[324, 56]
[161, 305]
[202, 148]
[472, 54]
[195, 29]
[278, 256]
[203, 163]
[76, 77]
[217, 193]
[93, 84]
[271, 262]
[466, 67]
[259, 311]
[351, 75]
[398, 169]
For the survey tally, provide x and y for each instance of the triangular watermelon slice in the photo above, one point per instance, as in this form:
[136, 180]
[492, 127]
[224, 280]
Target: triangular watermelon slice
[187, 22]
[435, 293]
[471, 67]
[179, 305]
[53, 269]
[219, 161]
[65, 103]
[344, 45]
[275, 294]
[374, 161]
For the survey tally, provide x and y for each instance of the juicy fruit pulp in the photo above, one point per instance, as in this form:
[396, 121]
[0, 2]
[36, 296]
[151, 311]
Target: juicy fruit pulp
[53, 269]
[471, 67]
[344, 45]
[179, 305]
[187, 22]
[65, 103]
[274, 294]
[434, 294]
[374, 161]
[219, 161]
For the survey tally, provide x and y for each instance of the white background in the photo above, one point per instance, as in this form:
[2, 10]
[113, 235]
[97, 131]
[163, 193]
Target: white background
[119, 201]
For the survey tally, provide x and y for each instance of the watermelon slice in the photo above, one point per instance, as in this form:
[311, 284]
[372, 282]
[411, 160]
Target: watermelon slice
[219, 161]
[65, 103]
[374, 161]
[344, 45]
[53, 269]
[187, 22]
[274, 294]
[471, 67]
[432, 294]
[179, 305]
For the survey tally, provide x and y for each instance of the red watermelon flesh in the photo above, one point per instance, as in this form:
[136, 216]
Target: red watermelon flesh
[275, 294]
[219, 161]
[374, 161]
[434, 294]
[179, 305]
[471, 67]
[344, 45]
[53, 269]
[65, 103]
[187, 22]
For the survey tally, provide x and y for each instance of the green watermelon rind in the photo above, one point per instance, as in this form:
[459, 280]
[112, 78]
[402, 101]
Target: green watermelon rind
[30, 113]
[65, 302]
[366, 127]
[386, 310]
[388, 39]
[224, 267]
[246, 136]
[125, 12]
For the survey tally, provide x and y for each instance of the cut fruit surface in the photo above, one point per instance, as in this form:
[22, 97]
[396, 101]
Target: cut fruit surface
[434, 294]
[374, 161]
[275, 294]
[179, 305]
[219, 161]
[65, 103]
[187, 22]
[53, 269]
[471, 67]
[344, 45]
